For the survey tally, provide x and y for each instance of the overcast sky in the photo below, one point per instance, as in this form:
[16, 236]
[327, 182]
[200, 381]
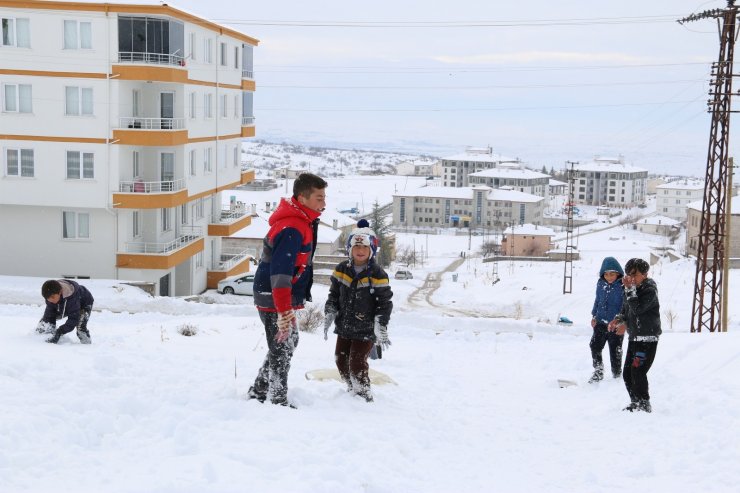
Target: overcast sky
[541, 80]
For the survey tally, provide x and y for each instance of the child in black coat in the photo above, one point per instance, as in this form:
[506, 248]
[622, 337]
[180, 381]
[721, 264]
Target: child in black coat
[66, 298]
[360, 306]
[640, 317]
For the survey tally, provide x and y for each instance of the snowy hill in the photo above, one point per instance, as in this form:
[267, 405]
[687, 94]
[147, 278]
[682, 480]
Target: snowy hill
[477, 407]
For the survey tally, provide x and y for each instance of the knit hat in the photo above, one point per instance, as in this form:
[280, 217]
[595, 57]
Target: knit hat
[363, 235]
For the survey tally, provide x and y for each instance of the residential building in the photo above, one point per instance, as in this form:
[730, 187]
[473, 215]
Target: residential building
[476, 207]
[558, 187]
[527, 240]
[693, 228]
[456, 169]
[658, 225]
[609, 181]
[520, 179]
[418, 167]
[673, 198]
[121, 125]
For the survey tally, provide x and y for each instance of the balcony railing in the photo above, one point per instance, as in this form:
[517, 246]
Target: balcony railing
[247, 74]
[187, 235]
[156, 58]
[151, 186]
[227, 216]
[247, 120]
[230, 257]
[151, 123]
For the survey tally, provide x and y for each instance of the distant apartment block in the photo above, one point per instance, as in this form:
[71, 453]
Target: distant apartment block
[476, 207]
[693, 228]
[673, 198]
[457, 169]
[419, 168]
[610, 182]
[121, 126]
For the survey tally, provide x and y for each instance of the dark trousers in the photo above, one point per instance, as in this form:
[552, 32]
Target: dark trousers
[272, 376]
[598, 340]
[635, 377]
[81, 327]
[351, 358]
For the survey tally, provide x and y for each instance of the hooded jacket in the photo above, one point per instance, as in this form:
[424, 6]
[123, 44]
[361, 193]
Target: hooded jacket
[285, 273]
[357, 299]
[608, 300]
[641, 312]
[73, 299]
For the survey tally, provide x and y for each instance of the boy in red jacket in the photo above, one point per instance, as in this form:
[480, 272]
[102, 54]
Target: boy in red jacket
[283, 282]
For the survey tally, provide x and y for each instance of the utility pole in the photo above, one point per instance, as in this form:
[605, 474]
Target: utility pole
[709, 285]
[726, 272]
[569, 247]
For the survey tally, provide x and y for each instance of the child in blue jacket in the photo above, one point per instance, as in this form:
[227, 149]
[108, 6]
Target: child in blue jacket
[608, 303]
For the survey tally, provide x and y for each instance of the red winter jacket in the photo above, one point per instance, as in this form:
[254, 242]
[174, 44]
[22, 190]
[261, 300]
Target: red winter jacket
[285, 273]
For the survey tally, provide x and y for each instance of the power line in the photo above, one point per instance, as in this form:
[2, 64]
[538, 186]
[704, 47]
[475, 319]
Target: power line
[518, 86]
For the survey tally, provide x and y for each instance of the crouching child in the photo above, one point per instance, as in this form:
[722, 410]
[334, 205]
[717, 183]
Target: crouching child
[359, 306]
[66, 298]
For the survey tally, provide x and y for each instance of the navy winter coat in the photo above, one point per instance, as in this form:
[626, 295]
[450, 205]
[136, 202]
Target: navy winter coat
[641, 312]
[609, 297]
[74, 298]
[357, 299]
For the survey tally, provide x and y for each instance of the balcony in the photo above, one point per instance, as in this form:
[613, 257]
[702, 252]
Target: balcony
[150, 194]
[150, 58]
[231, 262]
[247, 174]
[147, 255]
[248, 126]
[228, 222]
[134, 130]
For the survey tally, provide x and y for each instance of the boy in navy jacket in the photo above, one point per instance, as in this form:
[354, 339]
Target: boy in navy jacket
[66, 298]
[283, 282]
[607, 305]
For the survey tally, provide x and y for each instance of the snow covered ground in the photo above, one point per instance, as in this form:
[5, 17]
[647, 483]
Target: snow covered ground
[477, 407]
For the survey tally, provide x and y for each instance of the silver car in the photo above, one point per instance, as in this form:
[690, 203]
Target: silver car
[403, 274]
[240, 284]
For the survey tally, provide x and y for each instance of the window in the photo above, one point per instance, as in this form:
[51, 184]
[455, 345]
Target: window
[236, 57]
[136, 225]
[192, 46]
[223, 54]
[19, 162]
[236, 106]
[208, 50]
[207, 163]
[74, 170]
[15, 32]
[135, 165]
[199, 259]
[75, 225]
[192, 163]
[17, 98]
[208, 105]
[78, 101]
[135, 102]
[199, 209]
[236, 156]
[224, 109]
[166, 220]
[184, 214]
[77, 35]
[192, 105]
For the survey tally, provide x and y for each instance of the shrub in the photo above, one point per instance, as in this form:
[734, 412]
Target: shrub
[310, 318]
[187, 329]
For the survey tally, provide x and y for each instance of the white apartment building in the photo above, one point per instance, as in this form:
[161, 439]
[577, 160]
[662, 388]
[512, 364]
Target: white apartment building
[611, 182]
[477, 207]
[120, 127]
[520, 179]
[673, 198]
[457, 169]
[417, 167]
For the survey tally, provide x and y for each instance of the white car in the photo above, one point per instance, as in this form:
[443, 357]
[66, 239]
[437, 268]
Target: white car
[241, 284]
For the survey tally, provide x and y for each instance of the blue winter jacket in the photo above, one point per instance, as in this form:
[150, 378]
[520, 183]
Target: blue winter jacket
[609, 297]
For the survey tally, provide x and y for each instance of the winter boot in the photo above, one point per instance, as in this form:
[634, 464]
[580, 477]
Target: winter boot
[253, 394]
[631, 408]
[55, 338]
[285, 403]
[84, 336]
[597, 376]
[617, 373]
[644, 406]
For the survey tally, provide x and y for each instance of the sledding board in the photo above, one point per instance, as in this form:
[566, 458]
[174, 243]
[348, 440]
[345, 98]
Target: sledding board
[562, 383]
[376, 377]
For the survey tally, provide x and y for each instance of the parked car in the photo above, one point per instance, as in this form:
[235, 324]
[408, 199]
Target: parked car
[403, 274]
[240, 284]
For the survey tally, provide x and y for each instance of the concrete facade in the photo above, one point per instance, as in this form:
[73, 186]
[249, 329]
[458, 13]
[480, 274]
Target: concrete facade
[673, 198]
[609, 181]
[117, 141]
